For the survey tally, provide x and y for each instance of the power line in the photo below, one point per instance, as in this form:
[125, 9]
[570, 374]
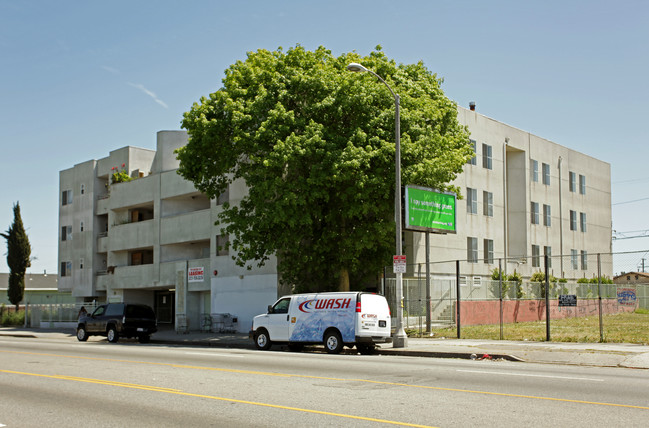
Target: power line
[628, 202]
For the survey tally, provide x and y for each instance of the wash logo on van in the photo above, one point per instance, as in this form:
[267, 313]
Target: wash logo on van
[320, 304]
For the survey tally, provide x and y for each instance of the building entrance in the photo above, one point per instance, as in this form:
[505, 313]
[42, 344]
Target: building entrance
[164, 306]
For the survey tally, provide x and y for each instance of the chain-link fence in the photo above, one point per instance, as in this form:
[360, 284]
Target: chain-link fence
[586, 297]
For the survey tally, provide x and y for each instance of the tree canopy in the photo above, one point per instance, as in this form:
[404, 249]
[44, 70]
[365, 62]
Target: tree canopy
[315, 146]
[18, 257]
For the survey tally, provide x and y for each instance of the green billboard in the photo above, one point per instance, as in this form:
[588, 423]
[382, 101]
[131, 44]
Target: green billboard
[429, 210]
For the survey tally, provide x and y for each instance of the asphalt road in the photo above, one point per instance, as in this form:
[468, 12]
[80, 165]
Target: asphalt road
[55, 383]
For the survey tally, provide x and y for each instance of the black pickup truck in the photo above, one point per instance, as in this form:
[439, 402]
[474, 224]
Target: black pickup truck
[115, 320]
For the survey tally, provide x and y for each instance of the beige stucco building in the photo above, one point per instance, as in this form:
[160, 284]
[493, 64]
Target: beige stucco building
[524, 197]
[153, 239]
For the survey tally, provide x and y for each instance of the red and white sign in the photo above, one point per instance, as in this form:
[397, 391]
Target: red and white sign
[399, 264]
[196, 274]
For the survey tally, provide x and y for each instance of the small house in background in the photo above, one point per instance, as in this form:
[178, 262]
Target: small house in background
[632, 278]
[40, 288]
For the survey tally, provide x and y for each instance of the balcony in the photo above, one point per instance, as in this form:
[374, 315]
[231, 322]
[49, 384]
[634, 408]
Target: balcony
[193, 226]
[132, 235]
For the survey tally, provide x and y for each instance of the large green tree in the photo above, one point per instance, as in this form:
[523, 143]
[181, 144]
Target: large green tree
[314, 143]
[18, 257]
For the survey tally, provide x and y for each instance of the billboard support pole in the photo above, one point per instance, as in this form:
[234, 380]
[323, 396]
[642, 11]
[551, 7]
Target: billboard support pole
[429, 314]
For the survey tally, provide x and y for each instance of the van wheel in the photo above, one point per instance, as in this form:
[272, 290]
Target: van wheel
[145, 338]
[262, 340]
[112, 334]
[332, 342]
[366, 349]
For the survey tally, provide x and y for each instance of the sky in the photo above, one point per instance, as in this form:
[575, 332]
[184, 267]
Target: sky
[81, 78]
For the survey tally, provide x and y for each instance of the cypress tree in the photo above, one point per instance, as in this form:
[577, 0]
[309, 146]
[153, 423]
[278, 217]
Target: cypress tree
[18, 257]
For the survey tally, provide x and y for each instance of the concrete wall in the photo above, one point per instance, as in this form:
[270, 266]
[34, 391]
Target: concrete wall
[243, 297]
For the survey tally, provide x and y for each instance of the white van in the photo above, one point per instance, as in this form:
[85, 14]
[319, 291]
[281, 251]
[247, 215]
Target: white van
[334, 319]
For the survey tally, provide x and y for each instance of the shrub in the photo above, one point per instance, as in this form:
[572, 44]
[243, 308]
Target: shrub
[13, 318]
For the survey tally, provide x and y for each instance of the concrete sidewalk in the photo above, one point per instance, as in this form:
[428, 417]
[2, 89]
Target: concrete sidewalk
[588, 354]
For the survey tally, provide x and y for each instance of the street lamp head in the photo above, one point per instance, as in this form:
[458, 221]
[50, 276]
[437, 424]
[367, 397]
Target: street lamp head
[356, 68]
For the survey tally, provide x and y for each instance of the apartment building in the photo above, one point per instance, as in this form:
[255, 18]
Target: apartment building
[524, 197]
[153, 240]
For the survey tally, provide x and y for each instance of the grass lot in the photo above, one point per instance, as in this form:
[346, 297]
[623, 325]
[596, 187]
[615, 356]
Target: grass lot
[618, 328]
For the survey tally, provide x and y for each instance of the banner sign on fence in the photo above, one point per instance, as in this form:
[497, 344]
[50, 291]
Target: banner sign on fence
[568, 300]
[626, 296]
[196, 274]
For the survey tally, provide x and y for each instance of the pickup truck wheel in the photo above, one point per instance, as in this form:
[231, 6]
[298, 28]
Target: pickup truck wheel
[82, 334]
[262, 340]
[112, 334]
[145, 338]
[332, 342]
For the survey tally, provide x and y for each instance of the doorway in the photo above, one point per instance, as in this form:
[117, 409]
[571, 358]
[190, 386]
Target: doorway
[164, 306]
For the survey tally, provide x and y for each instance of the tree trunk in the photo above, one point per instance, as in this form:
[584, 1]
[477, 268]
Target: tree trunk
[344, 280]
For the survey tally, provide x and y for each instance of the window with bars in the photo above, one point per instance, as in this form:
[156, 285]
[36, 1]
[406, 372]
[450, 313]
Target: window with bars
[471, 201]
[546, 174]
[487, 156]
[488, 203]
[534, 212]
[489, 251]
[472, 250]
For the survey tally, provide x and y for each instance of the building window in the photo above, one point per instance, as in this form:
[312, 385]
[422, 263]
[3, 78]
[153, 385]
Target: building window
[546, 174]
[471, 201]
[572, 181]
[536, 256]
[584, 260]
[477, 281]
[535, 171]
[547, 215]
[573, 220]
[547, 251]
[582, 221]
[81, 227]
[574, 259]
[582, 184]
[66, 268]
[534, 211]
[486, 156]
[66, 233]
[489, 251]
[223, 197]
[66, 197]
[472, 250]
[222, 245]
[488, 203]
[83, 189]
[473, 160]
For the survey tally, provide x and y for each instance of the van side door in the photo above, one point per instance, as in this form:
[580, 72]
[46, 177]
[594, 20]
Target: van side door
[278, 320]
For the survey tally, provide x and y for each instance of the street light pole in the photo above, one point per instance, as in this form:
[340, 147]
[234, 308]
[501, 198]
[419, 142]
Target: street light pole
[400, 339]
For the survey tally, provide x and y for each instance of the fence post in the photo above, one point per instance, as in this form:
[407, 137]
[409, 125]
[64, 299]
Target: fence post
[599, 294]
[419, 300]
[429, 308]
[383, 283]
[500, 294]
[547, 298]
[457, 297]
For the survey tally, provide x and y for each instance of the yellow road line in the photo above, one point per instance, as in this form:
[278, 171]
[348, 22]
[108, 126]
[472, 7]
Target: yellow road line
[288, 375]
[211, 397]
